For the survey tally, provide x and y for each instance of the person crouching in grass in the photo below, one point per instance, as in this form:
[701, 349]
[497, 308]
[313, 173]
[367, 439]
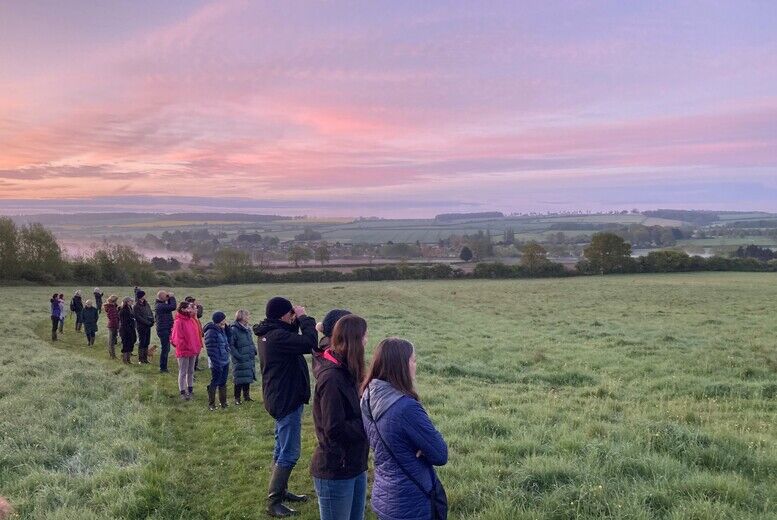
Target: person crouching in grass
[243, 353]
[339, 465]
[217, 345]
[90, 317]
[187, 342]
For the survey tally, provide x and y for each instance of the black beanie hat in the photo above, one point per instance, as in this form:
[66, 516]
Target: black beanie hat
[140, 294]
[331, 319]
[277, 307]
[218, 317]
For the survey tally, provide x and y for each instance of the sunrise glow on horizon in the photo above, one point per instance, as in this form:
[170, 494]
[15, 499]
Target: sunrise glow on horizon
[514, 106]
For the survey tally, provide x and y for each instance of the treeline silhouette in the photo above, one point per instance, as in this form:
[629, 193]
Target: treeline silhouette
[31, 253]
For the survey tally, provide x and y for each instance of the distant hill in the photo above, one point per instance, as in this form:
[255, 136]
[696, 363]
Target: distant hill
[450, 217]
[105, 218]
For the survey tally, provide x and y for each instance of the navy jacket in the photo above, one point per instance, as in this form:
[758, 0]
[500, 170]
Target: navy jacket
[164, 315]
[56, 310]
[407, 429]
[217, 345]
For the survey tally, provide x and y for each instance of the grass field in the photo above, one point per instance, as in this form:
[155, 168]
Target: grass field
[639, 397]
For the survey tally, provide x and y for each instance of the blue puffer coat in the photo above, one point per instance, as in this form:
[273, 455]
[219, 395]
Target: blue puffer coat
[217, 345]
[407, 429]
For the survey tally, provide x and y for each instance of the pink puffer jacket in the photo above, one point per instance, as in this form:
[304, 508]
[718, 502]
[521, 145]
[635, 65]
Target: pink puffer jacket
[186, 336]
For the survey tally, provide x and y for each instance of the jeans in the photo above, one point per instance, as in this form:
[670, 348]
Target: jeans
[62, 324]
[113, 335]
[185, 373]
[288, 439]
[218, 376]
[164, 342]
[342, 499]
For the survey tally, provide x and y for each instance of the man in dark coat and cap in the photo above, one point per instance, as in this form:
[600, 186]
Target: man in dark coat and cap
[284, 338]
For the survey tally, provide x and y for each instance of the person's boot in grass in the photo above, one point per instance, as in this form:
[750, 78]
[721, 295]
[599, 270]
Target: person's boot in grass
[223, 397]
[277, 493]
[211, 398]
[237, 395]
[125, 358]
[247, 393]
[189, 393]
[184, 395]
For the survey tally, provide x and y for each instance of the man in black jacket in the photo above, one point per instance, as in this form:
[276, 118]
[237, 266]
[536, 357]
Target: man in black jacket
[284, 338]
[165, 305]
[144, 317]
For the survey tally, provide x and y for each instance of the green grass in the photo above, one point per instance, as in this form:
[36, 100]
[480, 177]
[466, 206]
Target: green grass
[634, 397]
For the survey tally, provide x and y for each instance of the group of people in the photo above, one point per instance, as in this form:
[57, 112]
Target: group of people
[355, 408]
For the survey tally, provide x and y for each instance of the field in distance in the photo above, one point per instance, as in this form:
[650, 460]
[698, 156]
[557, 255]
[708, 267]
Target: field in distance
[628, 397]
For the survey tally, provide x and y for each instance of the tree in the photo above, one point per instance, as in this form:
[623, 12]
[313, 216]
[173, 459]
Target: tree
[509, 236]
[608, 253]
[480, 245]
[308, 235]
[231, 263]
[322, 253]
[9, 249]
[534, 257]
[466, 254]
[39, 251]
[299, 254]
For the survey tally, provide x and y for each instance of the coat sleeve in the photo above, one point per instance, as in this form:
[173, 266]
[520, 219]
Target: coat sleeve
[336, 425]
[211, 344]
[170, 306]
[424, 437]
[293, 343]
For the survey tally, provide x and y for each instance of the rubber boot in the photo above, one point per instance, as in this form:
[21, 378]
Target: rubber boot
[247, 393]
[125, 358]
[237, 394]
[211, 398]
[277, 494]
[223, 396]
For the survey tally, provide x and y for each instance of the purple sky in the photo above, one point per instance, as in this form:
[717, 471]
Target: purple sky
[392, 108]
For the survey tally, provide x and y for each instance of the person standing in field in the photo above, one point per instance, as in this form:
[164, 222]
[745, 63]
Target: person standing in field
[165, 305]
[77, 306]
[144, 317]
[56, 310]
[243, 353]
[198, 315]
[407, 446]
[326, 328]
[112, 312]
[286, 335]
[98, 299]
[217, 346]
[90, 317]
[127, 330]
[187, 341]
[62, 313]
[339, 465]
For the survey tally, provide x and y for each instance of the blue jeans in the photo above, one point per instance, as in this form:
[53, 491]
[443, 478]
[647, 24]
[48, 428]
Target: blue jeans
[342, 499]
[218, 376]
[288, 439]
[164, 340]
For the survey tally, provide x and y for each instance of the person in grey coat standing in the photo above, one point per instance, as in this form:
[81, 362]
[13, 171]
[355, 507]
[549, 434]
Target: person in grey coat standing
[243, 353]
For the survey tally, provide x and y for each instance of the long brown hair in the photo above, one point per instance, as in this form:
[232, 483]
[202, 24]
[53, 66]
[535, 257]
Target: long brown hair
[391, 363]
[348, 344]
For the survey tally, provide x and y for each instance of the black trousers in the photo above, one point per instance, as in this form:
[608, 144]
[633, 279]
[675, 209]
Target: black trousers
[54, 325]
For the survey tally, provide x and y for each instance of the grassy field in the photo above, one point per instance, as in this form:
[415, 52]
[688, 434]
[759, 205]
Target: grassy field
[639, 397]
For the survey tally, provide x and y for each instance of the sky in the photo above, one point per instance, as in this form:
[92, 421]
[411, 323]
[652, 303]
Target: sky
[388, 108]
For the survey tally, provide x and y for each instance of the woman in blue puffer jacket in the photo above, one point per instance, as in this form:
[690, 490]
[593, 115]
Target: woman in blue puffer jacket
[391, 410]
[217, 345]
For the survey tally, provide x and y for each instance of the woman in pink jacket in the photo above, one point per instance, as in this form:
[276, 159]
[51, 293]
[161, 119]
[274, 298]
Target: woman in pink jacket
[187, 341]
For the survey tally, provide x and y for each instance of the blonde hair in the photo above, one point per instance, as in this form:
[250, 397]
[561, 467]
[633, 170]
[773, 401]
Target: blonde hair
[88, 303]
[242, 315]
[112, 298]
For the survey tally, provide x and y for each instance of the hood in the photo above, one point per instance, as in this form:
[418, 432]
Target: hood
[268, 325]
[324, 364]
[239, 326]
[382, 397]
[212, 325]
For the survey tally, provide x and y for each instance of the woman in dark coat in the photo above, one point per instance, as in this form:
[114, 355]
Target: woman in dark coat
[127, 329]
[339, 465]
[77, 306]
[90, 317]
[243, 353]
[112, 312]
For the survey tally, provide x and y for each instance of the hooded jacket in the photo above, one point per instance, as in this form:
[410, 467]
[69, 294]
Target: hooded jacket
[217, 345]
[186, 336]
[285, 378]
[127, 328]
[98, 299]
[243, 353]
[164, 315]
[407, 429]
[90, 316]
[77, 304]
[342, 448]
[143, 314]
[112, 311]
[56, 310]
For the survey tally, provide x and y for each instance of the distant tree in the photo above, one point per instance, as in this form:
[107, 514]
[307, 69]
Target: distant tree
[39, 251]
[509, 236]
[322, 253]
[401, 251]
[466, 254]
[9, 249]
[231, 263]
[608, 253]
[299, 254]
[534, 257]
[308, 235]
[122, 265]
[481, 245]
